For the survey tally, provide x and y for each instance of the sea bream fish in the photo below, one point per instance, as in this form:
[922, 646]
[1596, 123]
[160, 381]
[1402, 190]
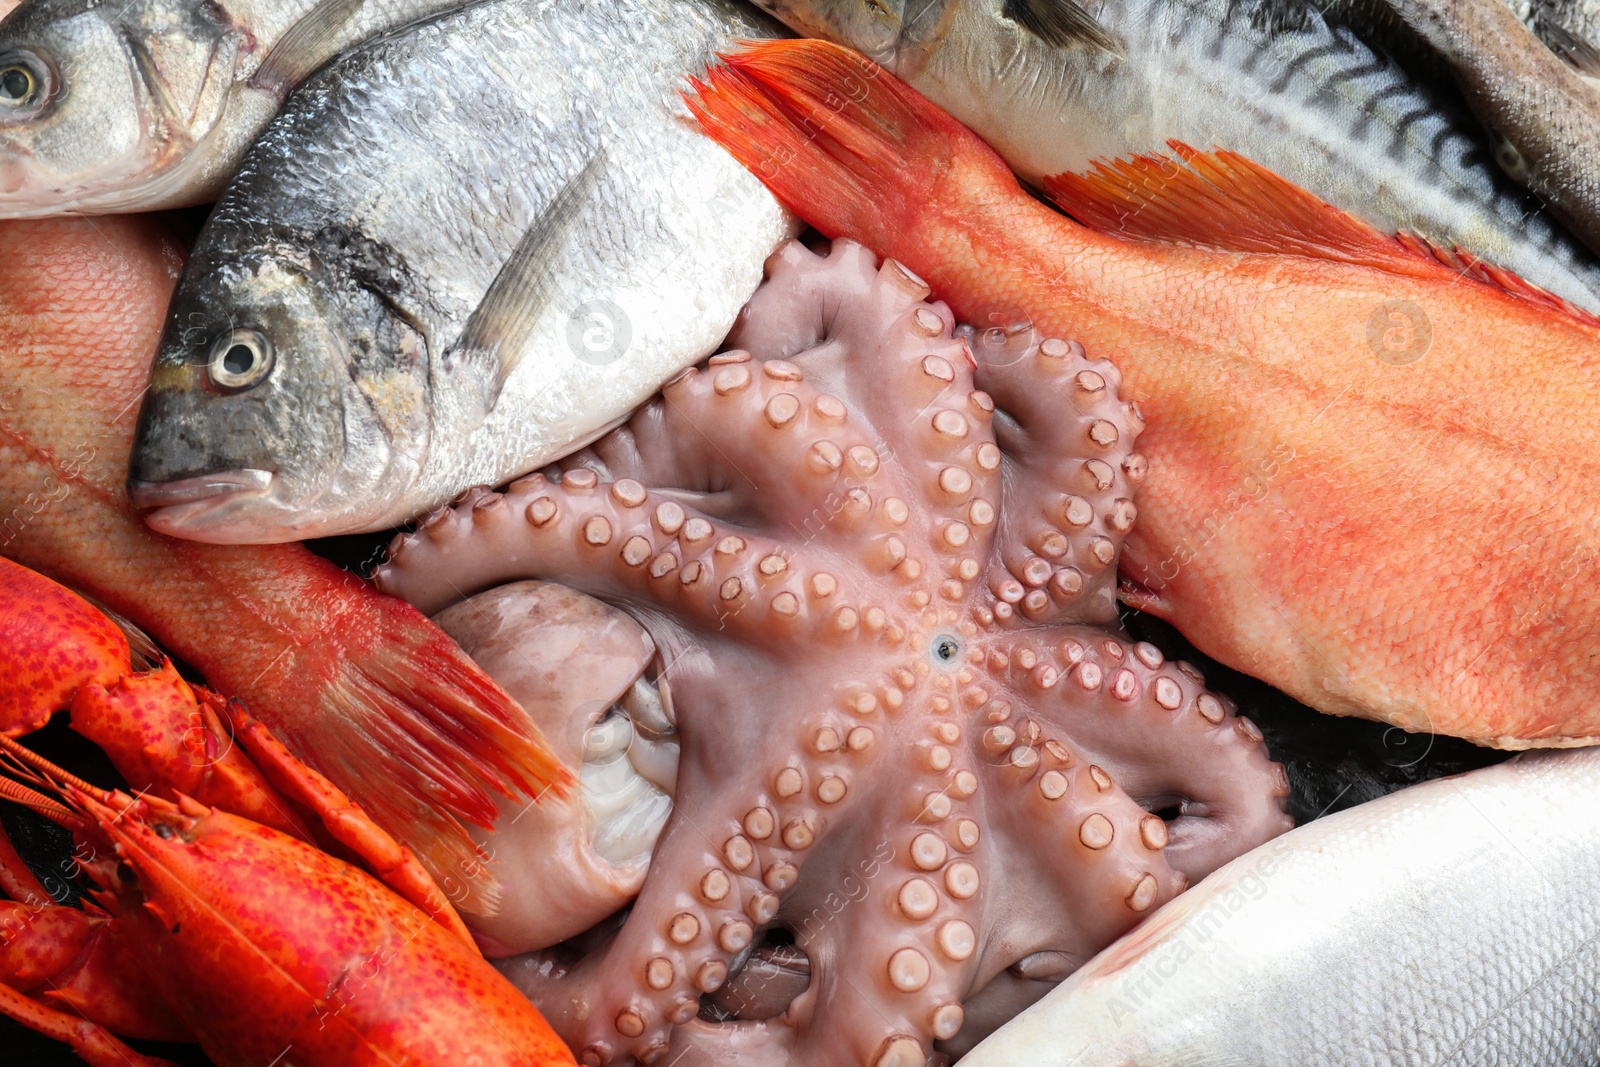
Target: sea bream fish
[1054, 87]
[1455, 922]
[138, 105]
[460, 252]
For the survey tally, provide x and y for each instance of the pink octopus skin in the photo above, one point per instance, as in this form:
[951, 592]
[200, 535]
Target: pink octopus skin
[879, 563]
[564, 657]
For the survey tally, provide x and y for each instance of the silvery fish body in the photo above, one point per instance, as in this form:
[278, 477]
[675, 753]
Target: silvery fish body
[1544, 113]
[135, 105]
[1053, 87]
[330, 361]
[1450, 924]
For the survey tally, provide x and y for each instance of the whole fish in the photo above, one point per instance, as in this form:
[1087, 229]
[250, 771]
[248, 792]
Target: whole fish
[146, 104]
[409, 291]
[1371, 477]
[1455, 922]
[359, 684]
[1054, 87]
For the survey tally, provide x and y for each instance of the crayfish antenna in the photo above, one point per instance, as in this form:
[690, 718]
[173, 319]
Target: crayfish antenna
[32, 767]
[34, 800]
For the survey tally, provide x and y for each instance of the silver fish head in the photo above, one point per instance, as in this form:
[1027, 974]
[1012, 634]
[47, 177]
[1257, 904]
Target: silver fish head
[872, 27]
[286, 398]
[99, 102]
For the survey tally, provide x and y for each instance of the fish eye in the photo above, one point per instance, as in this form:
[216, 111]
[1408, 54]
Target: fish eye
[22, 83]
[240, 359]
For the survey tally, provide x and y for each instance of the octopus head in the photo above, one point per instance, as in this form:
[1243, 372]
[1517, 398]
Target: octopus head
[587, 674]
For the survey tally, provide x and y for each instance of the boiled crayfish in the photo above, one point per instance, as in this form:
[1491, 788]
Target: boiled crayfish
[213, 915]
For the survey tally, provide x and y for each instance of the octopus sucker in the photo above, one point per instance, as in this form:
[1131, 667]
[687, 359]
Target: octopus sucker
[877, 556]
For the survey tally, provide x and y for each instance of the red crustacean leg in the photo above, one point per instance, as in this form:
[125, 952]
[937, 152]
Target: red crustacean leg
[390, 861]
[57, 651]
[166, 737]
[52, 644]
[74, 960]
[17, 881]
[91, 1042]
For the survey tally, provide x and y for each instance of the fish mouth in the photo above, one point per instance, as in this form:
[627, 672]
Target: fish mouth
[186, 506]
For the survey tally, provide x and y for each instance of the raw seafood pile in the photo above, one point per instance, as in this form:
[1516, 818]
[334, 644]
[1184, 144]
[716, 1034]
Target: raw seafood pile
[884, 580]
[1302, 89]
[790, 717]
[1326, 403]
[361, 685]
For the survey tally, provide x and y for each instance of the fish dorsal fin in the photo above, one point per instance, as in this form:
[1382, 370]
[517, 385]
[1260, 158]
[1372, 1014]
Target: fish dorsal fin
[1222, 201]
[1227, 203]
[1059, 23]
[1579, 53]
[501, 327]
[1462, 262]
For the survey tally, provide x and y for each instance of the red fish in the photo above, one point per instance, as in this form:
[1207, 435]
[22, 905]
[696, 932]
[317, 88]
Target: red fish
[360, 685]
[1372, 465]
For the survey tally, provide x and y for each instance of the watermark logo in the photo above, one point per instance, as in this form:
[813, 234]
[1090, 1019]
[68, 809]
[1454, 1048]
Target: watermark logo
[599, 332]
[1399, 332]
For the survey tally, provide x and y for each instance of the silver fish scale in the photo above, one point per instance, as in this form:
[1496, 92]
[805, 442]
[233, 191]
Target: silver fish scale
[1270, 79]
[438, 148]
[1453, 924]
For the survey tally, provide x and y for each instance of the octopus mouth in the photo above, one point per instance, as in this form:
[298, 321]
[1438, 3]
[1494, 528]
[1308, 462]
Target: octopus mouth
[764, 985]
[629, 774]
[187, 506]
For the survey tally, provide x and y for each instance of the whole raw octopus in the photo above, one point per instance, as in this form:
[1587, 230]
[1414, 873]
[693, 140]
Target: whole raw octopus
[877, 559]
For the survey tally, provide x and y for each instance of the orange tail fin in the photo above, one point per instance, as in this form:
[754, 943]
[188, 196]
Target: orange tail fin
[422, 739]
[845, 144]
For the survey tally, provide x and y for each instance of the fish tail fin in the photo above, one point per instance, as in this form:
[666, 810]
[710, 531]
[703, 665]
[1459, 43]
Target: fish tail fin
[421, 738]
[840, 140]
[1226, 202]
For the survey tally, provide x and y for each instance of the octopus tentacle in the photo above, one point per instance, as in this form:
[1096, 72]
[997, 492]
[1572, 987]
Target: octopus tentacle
[720, 881]
[1171, 742]
[1098, 836]
[891, 969]
[1068, 440]
[945, 461]
[619, 539]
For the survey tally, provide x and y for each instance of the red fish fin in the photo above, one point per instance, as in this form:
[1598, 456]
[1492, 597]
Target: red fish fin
[842, 142]
[1223, 201]
[423, 740]
[1460, 261]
